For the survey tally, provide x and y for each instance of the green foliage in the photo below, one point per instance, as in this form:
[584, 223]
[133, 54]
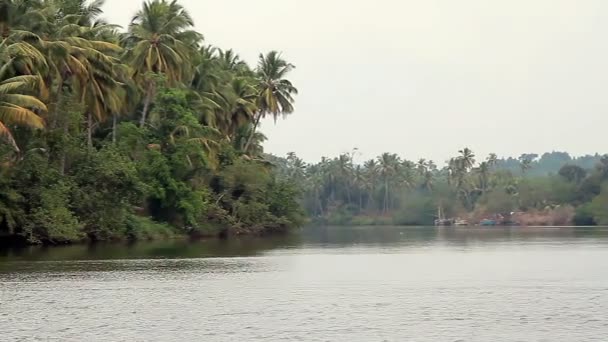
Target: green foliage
[144, 228]
[599, 207]
[584, 215]
[498, 201]
[391, 190]
[51, 219]
[146, 133]
[107, 189]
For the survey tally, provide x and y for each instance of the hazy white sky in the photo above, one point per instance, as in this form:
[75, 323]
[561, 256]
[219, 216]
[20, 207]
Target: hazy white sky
[424, 78]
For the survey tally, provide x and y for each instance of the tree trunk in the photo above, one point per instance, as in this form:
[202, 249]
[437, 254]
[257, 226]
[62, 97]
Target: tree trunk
[360, 201]
[348, 197]
[114, 129]
[147, 102]
[385, 195]
[89, 130]
[255, 126]
[62, 162]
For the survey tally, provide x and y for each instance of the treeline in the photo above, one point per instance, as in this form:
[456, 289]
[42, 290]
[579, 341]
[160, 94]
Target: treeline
[392, 190]
[108, 134]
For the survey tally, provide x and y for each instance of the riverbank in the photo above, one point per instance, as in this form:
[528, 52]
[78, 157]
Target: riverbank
[557, 217]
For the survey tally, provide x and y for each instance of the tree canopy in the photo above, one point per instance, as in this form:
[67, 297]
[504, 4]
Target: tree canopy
[110, 134]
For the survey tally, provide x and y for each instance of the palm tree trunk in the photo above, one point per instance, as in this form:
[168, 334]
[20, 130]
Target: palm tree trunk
[255, 127]
[89, 130]
[147, 101]
[348, 197]
[62, 162]
[114, 129]
[385, 195]
[360, 201]
[319, 202]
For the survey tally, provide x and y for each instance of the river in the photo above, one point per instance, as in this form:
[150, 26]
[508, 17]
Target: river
[320, 284]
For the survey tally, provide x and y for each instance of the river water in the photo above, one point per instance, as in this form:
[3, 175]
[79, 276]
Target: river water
[321, 284]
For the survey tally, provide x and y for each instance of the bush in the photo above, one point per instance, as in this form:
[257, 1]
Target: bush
[144, 228]
[584, 216]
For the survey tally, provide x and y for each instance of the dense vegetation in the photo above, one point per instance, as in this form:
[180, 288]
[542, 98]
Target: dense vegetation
[552, 189]
[109, 134]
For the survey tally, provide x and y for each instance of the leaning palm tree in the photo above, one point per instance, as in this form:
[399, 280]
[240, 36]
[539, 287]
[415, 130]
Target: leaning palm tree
[275, 91]
[160, 42]
[17, 107]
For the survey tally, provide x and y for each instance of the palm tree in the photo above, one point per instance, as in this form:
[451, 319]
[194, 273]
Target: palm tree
[483, 171]
[344, 168]
[359, 180]
[19, 15]
[428, 181]
[492, 160]
[160, 42]
[371, 176]
[275, 92]
[17, 107]
[237, 106]
[296, 167]
[388, 164]
[422, 166]
[467, 159]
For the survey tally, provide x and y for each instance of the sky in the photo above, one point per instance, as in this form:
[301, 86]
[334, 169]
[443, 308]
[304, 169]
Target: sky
[424, 78]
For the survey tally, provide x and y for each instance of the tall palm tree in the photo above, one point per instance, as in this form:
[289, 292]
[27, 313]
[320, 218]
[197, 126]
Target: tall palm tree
[388, 164]
[371, 177]
[483, 171]
[160, 41]
[359, 181]
[275, 92]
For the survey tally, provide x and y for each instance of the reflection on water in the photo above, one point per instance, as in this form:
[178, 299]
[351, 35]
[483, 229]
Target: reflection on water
[320, 284]
[311, 237]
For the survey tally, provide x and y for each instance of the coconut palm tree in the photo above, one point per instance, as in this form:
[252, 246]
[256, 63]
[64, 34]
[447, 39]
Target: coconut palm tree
[492, 159]
[388, 164]
[17, 107]
[160, 41]
[237, 106]
[483, 171]
[466, 159]
[275, 92]
[370, 169]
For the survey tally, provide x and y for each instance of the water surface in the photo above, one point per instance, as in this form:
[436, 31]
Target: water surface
[323, 284]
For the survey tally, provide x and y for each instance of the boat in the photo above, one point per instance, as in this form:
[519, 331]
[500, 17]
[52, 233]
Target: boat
[461, 222]
[487, 222]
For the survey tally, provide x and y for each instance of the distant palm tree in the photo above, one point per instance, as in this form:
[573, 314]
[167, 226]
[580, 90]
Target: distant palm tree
[484, 173]
[422, 166]
[370, 169]
[388, 164]
[466, 158]
[492, 160]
